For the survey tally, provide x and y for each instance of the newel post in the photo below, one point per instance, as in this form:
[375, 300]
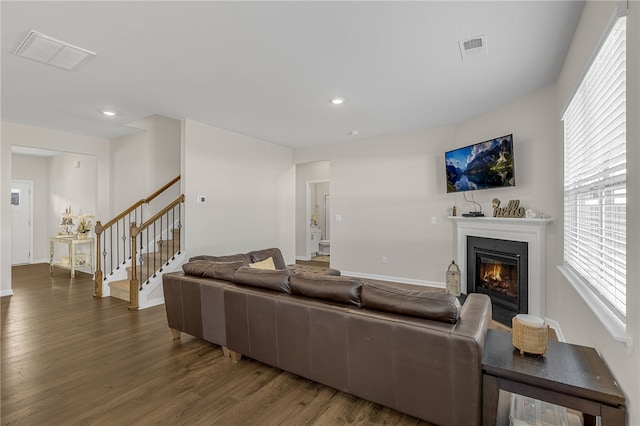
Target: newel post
[97, 292]
[133, 283]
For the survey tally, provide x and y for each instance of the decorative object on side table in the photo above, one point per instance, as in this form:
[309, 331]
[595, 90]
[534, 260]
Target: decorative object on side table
[530, 334]
[453, 279]
[67, 222]
[84, 225]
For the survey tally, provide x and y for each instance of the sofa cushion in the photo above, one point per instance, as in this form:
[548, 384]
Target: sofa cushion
[277, 280]
[308, 269]
[208, 269]
[264, 264]
[240, 257]
[275, 253]
[343, 290]
[411, 300]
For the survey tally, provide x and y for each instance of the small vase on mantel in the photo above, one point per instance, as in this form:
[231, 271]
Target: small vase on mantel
[83, 235]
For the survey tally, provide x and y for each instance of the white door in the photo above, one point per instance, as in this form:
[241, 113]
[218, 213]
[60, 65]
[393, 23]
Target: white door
[21, 222]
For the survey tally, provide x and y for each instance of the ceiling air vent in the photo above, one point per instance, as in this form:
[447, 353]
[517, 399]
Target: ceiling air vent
[48, 50]
[473, 47]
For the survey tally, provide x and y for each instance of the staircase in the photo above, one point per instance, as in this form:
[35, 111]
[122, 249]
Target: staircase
[153, 264]
[137, 256]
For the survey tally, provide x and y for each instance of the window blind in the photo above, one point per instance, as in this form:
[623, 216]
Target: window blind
[595, 174]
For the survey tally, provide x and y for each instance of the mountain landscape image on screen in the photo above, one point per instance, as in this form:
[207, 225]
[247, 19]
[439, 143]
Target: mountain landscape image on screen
[481, 166]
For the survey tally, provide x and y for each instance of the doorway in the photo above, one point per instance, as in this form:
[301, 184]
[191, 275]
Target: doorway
[21, 220]
[312, 183]
[318, 218]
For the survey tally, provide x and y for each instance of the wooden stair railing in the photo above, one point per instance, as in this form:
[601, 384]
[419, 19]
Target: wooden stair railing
[150, 227]
[122, 250]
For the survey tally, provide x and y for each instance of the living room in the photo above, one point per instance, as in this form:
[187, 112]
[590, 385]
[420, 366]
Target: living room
[390, 193]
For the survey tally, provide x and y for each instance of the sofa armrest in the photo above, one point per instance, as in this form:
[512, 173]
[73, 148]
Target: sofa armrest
[467, 340]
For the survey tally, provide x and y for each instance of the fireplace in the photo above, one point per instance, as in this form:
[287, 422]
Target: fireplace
[499, 269]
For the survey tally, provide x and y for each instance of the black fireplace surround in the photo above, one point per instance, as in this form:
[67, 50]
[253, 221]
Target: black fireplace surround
[499, 269]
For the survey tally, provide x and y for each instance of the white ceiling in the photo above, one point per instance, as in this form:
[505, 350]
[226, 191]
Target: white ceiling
[269, 69]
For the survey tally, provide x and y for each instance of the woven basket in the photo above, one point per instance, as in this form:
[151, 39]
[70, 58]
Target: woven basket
[528, 337]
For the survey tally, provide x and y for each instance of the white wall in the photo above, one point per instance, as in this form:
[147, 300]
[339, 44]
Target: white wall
[17, 134]
[72, 182]
[313, 171]
[164, 152]
[129, 177]
[249, 187]
[387, 189]
[36, 169]
[579, 324]
[143, 162]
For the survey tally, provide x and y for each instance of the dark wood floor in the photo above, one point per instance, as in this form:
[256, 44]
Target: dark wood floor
[70, 359]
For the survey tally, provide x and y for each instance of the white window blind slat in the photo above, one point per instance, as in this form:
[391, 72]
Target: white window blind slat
[595, 175]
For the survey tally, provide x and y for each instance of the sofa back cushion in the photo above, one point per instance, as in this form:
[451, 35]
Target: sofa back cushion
[343, 290]
[277, 280]
[240, 257]
[275, 253]
[208, 269]
[411, 300]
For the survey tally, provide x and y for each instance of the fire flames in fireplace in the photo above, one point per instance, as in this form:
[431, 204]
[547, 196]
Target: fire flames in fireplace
[499, 277]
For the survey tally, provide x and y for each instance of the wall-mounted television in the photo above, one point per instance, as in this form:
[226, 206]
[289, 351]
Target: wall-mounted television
[484, 165]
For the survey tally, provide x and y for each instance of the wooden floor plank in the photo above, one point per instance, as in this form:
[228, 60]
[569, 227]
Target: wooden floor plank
[67, 358]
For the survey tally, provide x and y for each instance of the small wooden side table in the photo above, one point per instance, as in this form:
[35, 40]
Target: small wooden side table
[72, 243]
[569, 375]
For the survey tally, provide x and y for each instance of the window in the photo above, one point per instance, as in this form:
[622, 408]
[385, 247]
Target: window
[595, 175]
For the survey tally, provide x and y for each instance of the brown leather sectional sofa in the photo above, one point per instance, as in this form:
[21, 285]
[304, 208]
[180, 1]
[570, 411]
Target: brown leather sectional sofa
[401, 346]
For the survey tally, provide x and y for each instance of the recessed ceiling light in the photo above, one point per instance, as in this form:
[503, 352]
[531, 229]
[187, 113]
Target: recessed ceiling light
[337, 101]
[354, 133]
[109, 112]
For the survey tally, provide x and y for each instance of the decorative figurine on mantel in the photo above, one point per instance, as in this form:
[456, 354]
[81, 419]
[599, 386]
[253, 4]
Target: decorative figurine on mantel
[513, 209]
[67, 222]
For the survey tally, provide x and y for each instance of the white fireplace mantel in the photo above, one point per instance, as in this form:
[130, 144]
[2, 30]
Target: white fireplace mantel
[531, 231]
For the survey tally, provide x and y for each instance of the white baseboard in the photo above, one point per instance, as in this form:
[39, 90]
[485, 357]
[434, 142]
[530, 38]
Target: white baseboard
[4, 293]
[394, 279]
[303, 258]
[153, 302]
[556, 327]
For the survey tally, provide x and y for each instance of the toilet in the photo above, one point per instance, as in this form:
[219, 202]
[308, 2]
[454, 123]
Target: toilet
[323, 247]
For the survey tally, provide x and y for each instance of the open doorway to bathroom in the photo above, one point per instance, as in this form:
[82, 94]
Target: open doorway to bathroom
[313, 206]
[319, 234]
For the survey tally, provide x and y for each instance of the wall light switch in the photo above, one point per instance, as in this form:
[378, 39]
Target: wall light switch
[434, 220]
[202, 199]
[338, 218]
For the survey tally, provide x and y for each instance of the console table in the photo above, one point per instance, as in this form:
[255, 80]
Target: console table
[569, 375]
[75, 263]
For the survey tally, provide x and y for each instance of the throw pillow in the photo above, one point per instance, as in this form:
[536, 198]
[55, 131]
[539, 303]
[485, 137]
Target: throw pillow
[264, 264]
